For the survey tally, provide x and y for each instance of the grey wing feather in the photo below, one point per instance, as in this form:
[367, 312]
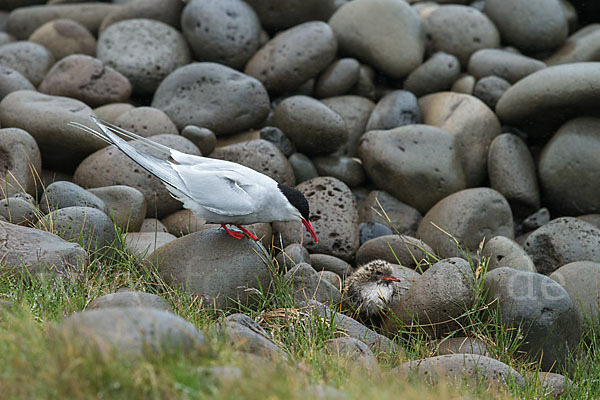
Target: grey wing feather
[160, 168]
[220, 192]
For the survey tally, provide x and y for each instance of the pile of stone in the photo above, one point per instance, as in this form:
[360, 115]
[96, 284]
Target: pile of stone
[418, 131]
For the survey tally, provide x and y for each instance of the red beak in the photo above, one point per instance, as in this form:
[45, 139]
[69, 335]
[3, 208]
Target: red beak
[390, 278]
[310, 229]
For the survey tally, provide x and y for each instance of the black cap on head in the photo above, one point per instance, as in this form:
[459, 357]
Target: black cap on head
[296, 198]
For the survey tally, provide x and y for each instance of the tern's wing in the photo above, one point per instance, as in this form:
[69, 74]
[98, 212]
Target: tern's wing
[221, 192]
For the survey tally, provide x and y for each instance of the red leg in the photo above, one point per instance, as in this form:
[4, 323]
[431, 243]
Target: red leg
[236, 235]
[247, 232]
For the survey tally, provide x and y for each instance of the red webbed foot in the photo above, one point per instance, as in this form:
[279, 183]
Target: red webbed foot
[236, 235]
[248, 233]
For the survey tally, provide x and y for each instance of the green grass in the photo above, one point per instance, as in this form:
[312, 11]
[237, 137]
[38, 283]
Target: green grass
[37, 365]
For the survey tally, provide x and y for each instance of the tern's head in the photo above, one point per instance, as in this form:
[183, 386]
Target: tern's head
[375, 271]
[299, 202]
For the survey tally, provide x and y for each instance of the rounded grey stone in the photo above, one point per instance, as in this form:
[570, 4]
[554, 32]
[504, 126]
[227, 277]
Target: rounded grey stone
[365, 86]
[276, 15]
[417, 164]
[167, 11]
[359, 26]
[512, 172]
[87, 79]
[47, 118]
[129, 299]
[436, 74]
[124, 204]
[333, 216]
[260, 155]
[460, 31]
[85, 225]
[553, 383]
[580, 280]
[583, 45]
[215, 266]
[346, 169]
[396, 249]
[133, 332]
[144, 243]
[372, 230]
[110, 112]
[63, 37]
[332, 278]
[18, 211]
[30, 59]
[312, 126]
[291, 256]
[293, 57]
[153, 225]
[464, 84]
[562, 241]
[569, 166]
[326, 262]
[11, 81]
[380, 206]
[222, 31]
[504, 252]
[537, 219]
[338, 78]
[37, 251]
[468, 216]
[472, 124]
[570, 88]
[203, 138]
[24, 21]
[212, 96]
[352, 350]
[63, 194]
[436, 299]
[183, 222]
[146, 121]
[303, 167]
[355, 111]
[490, 89]
[531, 26]
[473, 368]
[462, 345]
[541, 308]
[246, 335]
[395, 109]
[504, 64]
[143, 50]
[278, 138]
[20, 162]
[306, 284]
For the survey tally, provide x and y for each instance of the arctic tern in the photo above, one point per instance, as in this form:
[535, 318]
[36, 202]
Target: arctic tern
[218, 191]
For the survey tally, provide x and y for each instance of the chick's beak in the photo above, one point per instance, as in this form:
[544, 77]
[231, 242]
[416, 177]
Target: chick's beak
[310, 229]
[390, 278]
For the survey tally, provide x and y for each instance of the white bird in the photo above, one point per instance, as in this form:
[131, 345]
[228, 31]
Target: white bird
[218, 191]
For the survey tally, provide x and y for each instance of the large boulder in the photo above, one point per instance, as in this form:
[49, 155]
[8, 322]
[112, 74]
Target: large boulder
[212, 96]
[562, 241]
[466, 217]
[214, 265]
[38, 251]
[333, 216]
[47, 118]
[417, 164]
[541, 309]
[359, 26]
[20, 162]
